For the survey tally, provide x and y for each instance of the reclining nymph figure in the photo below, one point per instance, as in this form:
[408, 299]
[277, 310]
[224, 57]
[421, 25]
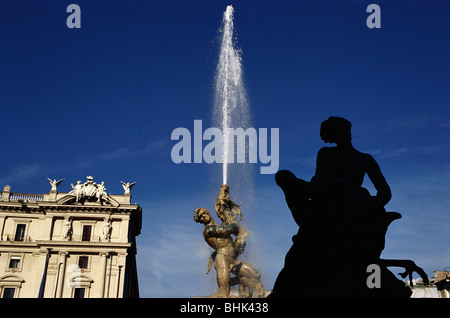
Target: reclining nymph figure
[342, 227]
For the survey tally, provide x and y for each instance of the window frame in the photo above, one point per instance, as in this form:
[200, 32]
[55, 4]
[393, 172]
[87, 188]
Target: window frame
[11, 281]
[20, 236]
[75, 293]
[14, 291]
[84, 260]
[86, 237]
[14, 262]
[12, 256]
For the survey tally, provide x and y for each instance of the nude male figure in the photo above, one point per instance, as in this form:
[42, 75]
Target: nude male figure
[219, 238]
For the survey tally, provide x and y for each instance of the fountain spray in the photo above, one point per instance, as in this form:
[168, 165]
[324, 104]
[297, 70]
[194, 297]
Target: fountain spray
[231, 107]
[231, 111]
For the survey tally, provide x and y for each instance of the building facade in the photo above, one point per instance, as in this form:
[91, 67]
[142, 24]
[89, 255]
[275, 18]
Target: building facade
[442, 282]
[79, 244]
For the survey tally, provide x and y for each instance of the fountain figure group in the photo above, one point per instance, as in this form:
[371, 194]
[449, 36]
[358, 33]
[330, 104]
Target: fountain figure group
[340, 223]
[231, 271]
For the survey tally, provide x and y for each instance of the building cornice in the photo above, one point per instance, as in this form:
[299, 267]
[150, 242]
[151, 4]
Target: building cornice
[63, 246]
[43, 207]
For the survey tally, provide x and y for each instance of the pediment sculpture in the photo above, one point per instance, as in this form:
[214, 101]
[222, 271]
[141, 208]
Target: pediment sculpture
[88, 191]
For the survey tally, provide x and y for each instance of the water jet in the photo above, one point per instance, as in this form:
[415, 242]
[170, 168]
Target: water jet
[231, 110]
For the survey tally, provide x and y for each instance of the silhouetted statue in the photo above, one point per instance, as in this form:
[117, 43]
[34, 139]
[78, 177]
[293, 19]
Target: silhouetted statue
[342, 227]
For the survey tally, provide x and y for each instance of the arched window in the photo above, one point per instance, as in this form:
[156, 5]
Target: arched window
[10, 286]
[81, 286]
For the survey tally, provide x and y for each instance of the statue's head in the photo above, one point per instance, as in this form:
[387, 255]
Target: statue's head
[201, 215]
[336, 129]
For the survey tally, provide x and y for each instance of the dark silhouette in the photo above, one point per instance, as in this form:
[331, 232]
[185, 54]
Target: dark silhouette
[342, 227]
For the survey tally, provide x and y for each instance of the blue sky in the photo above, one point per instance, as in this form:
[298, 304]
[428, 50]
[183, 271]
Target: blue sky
[103, 100]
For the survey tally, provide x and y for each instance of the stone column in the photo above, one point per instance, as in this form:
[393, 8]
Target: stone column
[102, 275]
[109, 273]
[62, 271]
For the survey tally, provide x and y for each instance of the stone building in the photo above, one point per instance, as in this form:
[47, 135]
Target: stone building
[442, 282]
[79, 244]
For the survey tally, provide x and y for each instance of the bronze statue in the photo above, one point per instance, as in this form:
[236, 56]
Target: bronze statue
[248, 279]
[342, 227]
[219, 237]
[224, 205]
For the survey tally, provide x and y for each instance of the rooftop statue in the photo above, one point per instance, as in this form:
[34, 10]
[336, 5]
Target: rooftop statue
[127, 186]
[341, 226]
[54, 183]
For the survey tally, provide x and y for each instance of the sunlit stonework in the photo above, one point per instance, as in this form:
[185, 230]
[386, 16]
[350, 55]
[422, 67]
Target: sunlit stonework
[74, 244]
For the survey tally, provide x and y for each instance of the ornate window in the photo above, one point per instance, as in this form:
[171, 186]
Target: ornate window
[81, 285]
[10, 286]
[21, 230]
[14, 262]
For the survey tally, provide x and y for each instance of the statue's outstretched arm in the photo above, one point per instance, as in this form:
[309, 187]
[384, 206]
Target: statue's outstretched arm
[409, 266]
[220, 230]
